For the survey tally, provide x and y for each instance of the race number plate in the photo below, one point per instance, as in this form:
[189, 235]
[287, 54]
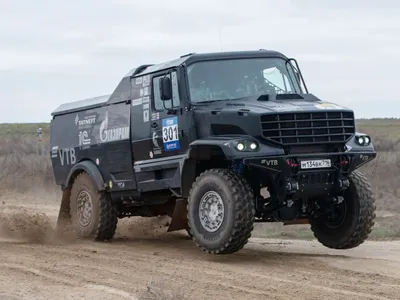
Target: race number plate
[170, 133]
[314, 164]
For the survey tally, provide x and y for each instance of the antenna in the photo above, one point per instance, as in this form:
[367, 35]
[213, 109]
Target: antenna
[220, 37]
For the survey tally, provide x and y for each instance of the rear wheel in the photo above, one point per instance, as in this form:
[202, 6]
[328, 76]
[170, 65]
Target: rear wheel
[220, 211]
[93, 214]
[352, 219]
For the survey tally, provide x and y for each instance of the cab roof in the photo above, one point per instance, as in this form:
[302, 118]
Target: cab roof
[194, 57]
[121, 92]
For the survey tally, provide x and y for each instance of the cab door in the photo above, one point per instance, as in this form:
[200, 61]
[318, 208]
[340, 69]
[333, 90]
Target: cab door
[170, 131]
[170, 135]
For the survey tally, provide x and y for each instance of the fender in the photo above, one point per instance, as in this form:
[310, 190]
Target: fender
[90, 168]
[224, 146]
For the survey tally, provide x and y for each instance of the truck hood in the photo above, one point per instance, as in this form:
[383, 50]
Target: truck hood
[242, 116]
[265, 106]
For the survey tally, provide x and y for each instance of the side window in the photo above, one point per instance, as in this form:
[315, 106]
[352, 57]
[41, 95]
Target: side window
[158, 103]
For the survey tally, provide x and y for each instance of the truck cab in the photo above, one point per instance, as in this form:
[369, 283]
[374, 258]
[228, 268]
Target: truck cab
[198, 137]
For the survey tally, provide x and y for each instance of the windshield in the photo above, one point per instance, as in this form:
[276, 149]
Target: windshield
[238, 78]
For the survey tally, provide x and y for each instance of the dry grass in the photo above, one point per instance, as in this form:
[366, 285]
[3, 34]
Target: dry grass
[25, 166]
[24, 163]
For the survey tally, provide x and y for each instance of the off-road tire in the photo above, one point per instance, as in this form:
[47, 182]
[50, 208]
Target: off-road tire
[189, 233]
[358, 221]
[238, 200]
[104, 220]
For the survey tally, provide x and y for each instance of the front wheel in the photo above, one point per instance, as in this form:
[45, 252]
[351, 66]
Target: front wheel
[220, 212]
[352, 220]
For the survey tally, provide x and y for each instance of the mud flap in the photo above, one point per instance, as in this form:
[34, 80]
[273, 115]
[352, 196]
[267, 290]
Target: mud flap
[64, 215]
[179, 217]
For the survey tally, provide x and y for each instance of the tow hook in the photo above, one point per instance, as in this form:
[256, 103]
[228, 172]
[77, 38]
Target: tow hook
[343, 184]
[292, 186]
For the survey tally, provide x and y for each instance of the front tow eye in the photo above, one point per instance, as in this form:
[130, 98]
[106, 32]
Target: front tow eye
[292, 186]
[343, 184]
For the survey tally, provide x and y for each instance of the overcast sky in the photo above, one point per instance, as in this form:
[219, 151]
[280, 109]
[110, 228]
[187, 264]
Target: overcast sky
[54, 51]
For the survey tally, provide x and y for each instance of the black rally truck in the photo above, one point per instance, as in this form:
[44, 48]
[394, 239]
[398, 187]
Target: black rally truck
[199, 138]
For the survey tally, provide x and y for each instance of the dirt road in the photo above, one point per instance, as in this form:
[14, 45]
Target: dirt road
[143, 254]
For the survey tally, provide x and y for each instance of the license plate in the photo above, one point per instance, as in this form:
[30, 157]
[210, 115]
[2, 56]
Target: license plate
[318, 163]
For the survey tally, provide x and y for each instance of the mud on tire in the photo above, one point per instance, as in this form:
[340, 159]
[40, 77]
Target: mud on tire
[230, 194]
[358, 220]
[102, 223]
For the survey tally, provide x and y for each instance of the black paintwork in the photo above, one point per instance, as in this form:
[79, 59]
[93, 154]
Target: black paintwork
[134, 159]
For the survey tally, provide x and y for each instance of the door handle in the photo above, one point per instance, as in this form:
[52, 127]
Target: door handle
[154, 125]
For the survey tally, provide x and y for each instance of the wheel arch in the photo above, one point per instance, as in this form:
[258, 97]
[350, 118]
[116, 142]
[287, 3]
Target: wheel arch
[91, 169]
[200, 158]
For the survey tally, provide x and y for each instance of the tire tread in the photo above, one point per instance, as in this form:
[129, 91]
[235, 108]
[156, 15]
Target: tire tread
[365, 220]
[243, 199]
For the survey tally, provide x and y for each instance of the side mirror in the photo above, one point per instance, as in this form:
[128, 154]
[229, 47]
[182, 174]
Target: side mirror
[165, 88]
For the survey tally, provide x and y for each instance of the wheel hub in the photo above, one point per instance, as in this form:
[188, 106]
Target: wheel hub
[337, 216]
[84, 208]
[211, 211]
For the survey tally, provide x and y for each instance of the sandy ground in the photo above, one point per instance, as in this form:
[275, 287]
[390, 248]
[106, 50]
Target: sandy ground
[145, 262]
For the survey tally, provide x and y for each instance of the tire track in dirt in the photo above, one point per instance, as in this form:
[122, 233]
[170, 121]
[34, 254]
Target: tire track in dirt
[32, 259]
[250, 273]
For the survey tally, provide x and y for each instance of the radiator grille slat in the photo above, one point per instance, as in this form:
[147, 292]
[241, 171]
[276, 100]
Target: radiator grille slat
[309, 127]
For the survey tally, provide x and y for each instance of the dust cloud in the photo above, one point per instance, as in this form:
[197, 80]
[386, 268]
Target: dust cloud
[33, 228]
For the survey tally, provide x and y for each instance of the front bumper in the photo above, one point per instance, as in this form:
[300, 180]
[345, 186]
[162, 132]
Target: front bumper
[295, 178]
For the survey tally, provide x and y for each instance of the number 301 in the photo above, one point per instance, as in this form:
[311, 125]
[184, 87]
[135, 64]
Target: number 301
[170, 133]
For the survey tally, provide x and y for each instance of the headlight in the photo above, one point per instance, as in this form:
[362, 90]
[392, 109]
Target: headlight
[363, 140]
[247, 146]
[253, 146]
[240, 146]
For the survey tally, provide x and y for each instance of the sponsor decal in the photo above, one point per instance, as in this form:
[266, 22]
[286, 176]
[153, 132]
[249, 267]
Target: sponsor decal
[327, 106]
[54, 151]
[86, 122]
[146, 115]
[67, 156]
[136, 102]
[146, 80]
[139, 80]
[84, 138]
[155, 116]
[113, 134]
[157, 148]
[269, 162]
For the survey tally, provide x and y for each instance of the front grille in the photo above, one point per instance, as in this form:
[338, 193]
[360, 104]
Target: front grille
[308, 127]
